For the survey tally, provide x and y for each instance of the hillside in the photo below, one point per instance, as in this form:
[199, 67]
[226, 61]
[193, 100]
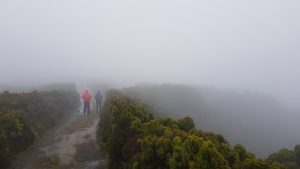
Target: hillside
[258, 121]
[135, 139]
[291, 158]
[24, 117]
[30, 88]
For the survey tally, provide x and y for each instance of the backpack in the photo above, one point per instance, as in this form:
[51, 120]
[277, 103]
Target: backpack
[86, 97]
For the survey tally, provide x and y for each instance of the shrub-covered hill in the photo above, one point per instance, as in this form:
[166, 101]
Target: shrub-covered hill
[134, 138]
[291, 158]
[25, 116]
[256, 120]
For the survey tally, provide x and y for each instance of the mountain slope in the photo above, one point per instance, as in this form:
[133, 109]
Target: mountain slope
[258, 121]
[135, 139]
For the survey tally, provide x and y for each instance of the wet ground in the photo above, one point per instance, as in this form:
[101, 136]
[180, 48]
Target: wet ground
[71, 145]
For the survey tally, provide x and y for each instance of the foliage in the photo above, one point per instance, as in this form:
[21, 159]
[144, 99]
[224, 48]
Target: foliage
[52, 162]
[135, 139]
[288, 157]
[25, 116]
[240, 115]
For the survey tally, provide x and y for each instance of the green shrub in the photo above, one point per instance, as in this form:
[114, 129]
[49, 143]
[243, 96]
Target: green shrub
[25, 116]
[135, 139]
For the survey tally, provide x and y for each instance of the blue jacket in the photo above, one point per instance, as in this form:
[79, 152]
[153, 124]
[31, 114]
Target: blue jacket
[98, 97]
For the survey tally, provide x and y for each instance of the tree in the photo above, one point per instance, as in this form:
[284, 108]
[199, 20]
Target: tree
[240, 149]
[210, 158]
[186, 123]
[297, 154]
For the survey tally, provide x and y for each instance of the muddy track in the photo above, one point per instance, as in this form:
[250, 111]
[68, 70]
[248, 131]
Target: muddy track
[71, 145]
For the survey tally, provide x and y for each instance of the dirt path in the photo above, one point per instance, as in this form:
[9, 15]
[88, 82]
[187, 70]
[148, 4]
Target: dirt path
[72, 145]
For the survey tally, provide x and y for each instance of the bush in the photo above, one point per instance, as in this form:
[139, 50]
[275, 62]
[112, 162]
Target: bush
[25, 116]
[135, 139]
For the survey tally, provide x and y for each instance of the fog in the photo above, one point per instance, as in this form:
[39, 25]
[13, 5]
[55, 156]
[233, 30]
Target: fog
[243, 45]
[258, 121]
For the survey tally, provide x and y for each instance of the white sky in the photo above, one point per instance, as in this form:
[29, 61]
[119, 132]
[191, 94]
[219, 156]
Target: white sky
[233, 44]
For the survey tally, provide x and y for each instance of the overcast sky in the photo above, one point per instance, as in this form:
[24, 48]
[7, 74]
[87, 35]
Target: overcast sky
[245, 44]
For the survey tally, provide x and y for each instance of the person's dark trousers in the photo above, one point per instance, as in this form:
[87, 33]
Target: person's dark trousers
[98, 106]
[86, 108]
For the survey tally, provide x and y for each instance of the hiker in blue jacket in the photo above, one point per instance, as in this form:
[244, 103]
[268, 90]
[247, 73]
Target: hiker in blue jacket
[98, 98]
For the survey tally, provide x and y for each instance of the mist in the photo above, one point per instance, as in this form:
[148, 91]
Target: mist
[249, 45]
[260, 122]
[233, 66]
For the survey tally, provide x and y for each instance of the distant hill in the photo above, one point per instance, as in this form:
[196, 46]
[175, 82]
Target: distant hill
[15, 88]
[258, 121]
[57, 86]
[29, 88]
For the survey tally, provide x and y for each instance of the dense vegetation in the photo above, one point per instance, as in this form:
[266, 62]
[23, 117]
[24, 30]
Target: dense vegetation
[288, 157]
[25, 116]
[134, 138]
[256, 120]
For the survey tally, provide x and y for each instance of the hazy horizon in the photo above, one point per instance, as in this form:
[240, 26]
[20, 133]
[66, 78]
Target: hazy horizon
[242, 45]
